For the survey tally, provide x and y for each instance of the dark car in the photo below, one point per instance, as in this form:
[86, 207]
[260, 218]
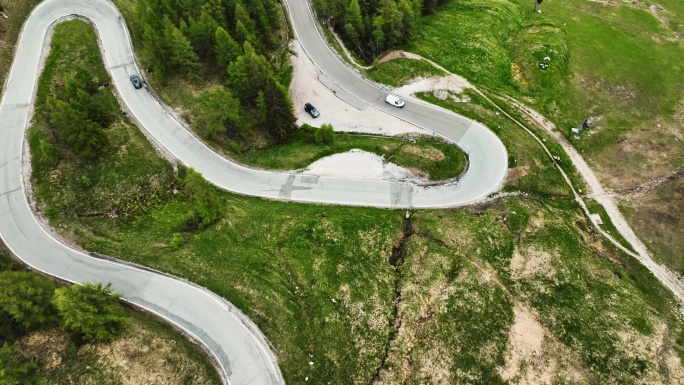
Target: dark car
[137, 83]
[308, 107]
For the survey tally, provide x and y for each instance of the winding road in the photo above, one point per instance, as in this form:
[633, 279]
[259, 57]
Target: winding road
[237, 345]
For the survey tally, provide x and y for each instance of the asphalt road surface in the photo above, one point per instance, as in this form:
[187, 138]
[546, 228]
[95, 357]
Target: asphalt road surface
[235, 342]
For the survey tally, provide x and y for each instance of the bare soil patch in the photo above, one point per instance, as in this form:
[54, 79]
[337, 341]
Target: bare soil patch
[391, 56]
[358, 164]
[534, 357]
[46, 346]
[532, 262]
[514, 174]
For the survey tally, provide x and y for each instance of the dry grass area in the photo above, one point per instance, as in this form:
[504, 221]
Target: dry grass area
[430, 153]
[658, 217]
[436, 336]
[542, 299]
[146, 353]
[514, 174]
[640, 155]
[533, 357]
[531, 263]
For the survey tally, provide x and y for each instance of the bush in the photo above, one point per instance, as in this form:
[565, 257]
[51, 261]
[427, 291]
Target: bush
[86, 181]
[207, 202]
[176, 240]
[26, 298]
[91, 312]
[325, 135]
[15, 369]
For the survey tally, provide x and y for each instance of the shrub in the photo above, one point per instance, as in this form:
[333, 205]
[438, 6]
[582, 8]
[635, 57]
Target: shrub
[91, 312]
[86, 181]
[15, 369]
[325, 135]
[26, 297]
[176, 240]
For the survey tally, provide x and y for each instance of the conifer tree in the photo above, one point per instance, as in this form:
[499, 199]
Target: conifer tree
[280, 117]
[227, 49]
[91, 312]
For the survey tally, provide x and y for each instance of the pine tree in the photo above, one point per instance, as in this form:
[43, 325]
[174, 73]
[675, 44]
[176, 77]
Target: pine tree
[244, 26]
[218, 112]
[393, 23]
[280, 117]
[26, 297]
[378, 35]
[207, 203]
[85, 138]
[354, 26]
[202, 35]
[262, 109]
[227, 49]
[354, 16]
[410, 20]
[248, 74]
[182, 59]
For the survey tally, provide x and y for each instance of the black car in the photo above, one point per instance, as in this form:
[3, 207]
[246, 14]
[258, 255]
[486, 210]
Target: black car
[308, 107]
[137, 83]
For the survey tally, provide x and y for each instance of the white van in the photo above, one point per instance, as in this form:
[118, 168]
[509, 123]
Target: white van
[395, 101]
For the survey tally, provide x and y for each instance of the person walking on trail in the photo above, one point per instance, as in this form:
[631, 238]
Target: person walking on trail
[536, 3]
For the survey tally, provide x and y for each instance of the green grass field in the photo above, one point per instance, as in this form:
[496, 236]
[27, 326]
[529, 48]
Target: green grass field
[438, 160]
[612, 61]
[616, 62]
[325, 285]
[398, 72]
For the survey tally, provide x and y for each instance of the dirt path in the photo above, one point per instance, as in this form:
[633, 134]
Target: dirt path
[666, 276]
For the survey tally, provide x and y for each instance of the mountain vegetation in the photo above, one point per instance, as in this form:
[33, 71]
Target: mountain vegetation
[230, 42]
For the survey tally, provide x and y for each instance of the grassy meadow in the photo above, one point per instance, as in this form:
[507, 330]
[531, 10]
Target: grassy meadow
[436, 160]
[400, 71]
[616, 62]
[516, 288]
